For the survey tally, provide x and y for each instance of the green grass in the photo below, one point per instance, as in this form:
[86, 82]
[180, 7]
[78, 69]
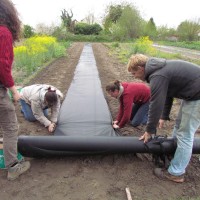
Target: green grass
[189, 45]
[33, 54]
[124, 50]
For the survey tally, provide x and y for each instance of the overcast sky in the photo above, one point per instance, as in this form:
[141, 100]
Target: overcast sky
[164, 12]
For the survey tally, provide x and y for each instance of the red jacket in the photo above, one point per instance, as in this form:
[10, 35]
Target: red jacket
[136, 93]
[6, 57]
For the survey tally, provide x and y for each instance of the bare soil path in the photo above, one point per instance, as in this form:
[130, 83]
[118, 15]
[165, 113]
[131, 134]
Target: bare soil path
[94, 177]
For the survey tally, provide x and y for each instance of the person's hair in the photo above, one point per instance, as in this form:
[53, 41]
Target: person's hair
[135, 61]
[51, 97]
[113, 86]
[9, 18]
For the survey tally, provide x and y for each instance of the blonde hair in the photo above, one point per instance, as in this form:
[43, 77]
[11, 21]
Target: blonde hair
[135, 61]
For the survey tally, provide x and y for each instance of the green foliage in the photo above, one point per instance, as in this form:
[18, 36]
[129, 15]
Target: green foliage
[165, 33]
[112, 15]
[88, 38]
[60, 33]
[28, 31]
[115, 44]
[67, 20]
[87, 29]
[117, 32]
[36, 51]
[189, 30]
[129, 25]
[150, 29]
[185, 44]
[143, 45]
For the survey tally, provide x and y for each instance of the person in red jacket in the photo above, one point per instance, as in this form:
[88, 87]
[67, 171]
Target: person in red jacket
[9, 32]
[134, 102]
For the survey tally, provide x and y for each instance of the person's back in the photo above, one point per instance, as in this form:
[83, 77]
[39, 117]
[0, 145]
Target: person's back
[35, 101]
[182, 78]
[36, 92]
[137, 92]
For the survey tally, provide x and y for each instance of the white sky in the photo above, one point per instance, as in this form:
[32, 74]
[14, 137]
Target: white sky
[164, 12]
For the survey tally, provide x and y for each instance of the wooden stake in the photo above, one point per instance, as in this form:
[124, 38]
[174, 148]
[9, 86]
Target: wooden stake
[128, 193]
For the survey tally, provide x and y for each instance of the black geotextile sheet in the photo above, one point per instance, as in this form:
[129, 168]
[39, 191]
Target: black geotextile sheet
[84, 111]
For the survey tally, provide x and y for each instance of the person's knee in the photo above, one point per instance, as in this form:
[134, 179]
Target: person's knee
[29, 118]
[135, 123]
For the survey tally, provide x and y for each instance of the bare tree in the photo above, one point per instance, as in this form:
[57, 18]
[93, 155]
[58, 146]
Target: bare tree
[67, 20]
[89, 19]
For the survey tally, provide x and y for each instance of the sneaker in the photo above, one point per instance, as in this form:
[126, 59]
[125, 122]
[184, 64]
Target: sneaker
[15, 171]
[165, 175]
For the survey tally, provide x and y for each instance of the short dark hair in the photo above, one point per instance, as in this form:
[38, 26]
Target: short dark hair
[51, 97]
[113, 86]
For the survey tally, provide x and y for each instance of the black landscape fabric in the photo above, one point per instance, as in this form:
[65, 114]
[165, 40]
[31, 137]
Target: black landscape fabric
[84, 111]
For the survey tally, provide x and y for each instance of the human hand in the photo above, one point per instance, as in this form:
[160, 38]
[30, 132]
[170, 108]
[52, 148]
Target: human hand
[51, 127]
[115, 122]
[146, 137]
[16, 96]
[161, 123]
[15, 93]
[115, 126]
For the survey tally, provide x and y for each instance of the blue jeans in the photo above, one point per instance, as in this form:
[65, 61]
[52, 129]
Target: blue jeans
[28, 113]
[187, 122]
[139, 114]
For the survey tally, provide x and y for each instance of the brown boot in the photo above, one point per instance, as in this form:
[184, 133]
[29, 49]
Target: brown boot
[165, 175]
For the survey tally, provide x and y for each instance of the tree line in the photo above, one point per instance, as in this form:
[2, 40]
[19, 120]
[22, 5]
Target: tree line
[121, 22]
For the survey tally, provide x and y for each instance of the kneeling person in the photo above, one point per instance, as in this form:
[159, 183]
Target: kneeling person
[35, 101]
[134, 102]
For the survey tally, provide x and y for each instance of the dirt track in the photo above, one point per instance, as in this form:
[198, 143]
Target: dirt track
[94, 177]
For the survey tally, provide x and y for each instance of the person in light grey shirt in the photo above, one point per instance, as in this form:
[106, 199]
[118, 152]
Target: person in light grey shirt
[35, 102]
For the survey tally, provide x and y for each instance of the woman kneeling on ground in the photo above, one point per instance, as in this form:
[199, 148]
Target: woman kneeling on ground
[35, 101]
[134, 102]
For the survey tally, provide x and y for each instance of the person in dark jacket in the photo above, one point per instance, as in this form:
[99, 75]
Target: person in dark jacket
[9, 32]
[171, 79]
[134, 102]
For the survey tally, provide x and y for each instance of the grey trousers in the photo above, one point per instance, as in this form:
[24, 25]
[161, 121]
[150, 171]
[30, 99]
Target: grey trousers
[8, 127]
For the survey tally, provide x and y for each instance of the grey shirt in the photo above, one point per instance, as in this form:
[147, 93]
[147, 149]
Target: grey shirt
[34, 96]
[169, 79]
